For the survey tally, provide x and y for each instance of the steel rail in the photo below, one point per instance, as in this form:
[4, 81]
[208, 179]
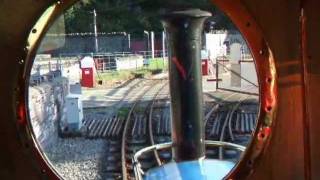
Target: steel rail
[228, 118]
[156, 154]
[124, 135]
[155, 148]
[216, 106]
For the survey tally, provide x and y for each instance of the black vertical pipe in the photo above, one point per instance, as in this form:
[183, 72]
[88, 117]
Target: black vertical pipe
[184, 31]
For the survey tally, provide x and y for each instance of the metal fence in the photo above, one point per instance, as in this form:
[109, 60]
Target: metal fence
[45, 68]
[125, 60]
[237, 76]
[145, 54]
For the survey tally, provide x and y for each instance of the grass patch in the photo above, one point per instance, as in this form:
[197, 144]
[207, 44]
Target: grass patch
[158, 63]
[116, 75]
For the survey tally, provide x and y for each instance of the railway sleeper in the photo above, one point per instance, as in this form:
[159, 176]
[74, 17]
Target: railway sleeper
[211, 152]
[129, 166]
[137, 140]
[112, 176]
[148, 157]
[148, 165]
[162, 139]
[114, 157]
[114, 149]
[167, 155]
[114, 168]
[230, 154]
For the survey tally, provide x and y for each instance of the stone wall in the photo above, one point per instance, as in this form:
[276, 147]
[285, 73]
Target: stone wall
[46, 107]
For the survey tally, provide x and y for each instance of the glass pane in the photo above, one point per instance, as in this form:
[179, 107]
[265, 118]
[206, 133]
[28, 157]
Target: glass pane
[99, 87]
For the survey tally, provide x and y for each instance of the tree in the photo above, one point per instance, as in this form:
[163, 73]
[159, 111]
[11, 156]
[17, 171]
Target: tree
[133, 16]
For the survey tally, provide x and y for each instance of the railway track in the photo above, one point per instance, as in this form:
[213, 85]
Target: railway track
[160, 127]
[146, 122]
[231, 121]
[236, 117]
[135, 135]
[128, 123]
[109, 124]
[223, 116]
[151, 113]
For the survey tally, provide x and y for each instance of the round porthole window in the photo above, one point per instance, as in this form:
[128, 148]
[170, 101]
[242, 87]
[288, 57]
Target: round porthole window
[99, 96]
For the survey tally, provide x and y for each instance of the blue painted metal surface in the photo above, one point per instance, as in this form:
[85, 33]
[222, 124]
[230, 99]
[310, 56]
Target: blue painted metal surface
[191, 170]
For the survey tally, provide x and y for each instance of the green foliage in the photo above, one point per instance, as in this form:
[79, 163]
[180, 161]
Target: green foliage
[158, 63]
[123, 112]
[132, 16]
[116, 75]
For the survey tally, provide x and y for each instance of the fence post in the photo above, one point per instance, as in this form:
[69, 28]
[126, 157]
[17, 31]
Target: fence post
[152, 44]
[217, 74]
[137, 65]
[103, 66]
[49, 66]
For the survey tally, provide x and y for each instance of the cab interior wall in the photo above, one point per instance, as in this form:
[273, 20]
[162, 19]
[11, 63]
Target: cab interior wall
[279, 21]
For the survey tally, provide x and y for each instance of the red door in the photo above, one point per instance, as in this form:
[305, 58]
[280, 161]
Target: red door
[87, 77]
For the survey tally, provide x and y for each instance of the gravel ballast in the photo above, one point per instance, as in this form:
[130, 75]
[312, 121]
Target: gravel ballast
[79, 158]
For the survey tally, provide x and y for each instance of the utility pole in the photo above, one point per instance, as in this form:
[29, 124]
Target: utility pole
[163, 45]
[152, 44]
[95, 30]
[163, 48]
[129, 41]
[148, 43]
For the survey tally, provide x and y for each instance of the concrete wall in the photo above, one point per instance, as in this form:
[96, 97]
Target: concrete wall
[232, 81]
[219, 43]
[248, 71]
